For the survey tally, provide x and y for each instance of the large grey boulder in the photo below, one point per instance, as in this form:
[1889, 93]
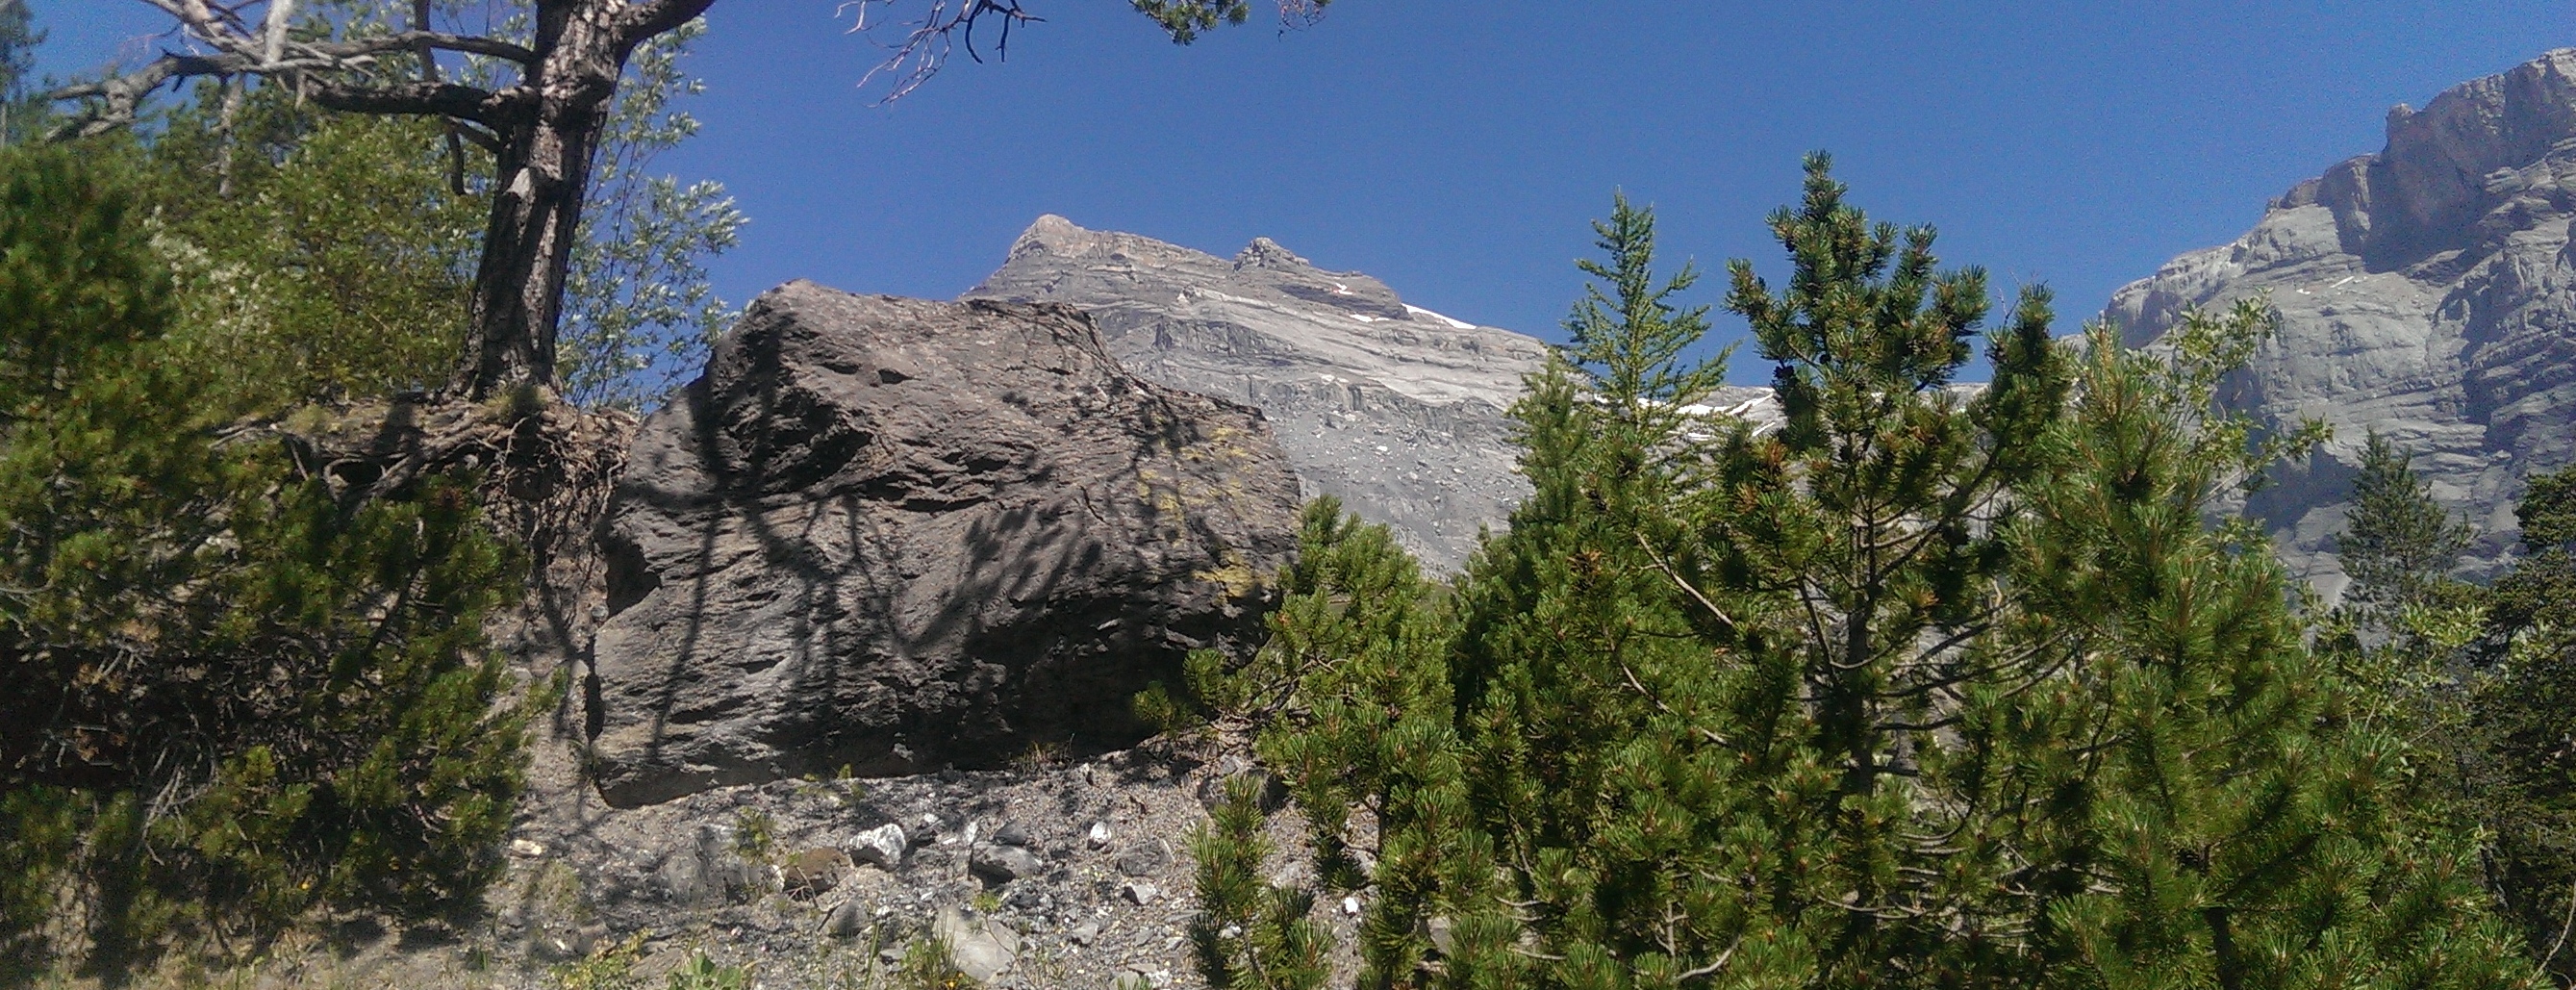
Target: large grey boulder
[2426, 292]
[1397, 411]
[895, 533]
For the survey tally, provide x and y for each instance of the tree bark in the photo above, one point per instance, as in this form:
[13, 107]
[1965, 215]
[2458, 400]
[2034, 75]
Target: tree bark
[540, 178]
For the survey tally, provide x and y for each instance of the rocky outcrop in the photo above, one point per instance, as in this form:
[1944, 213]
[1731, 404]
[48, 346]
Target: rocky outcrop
[891, 534]
[1396, 410]
[2427, 292]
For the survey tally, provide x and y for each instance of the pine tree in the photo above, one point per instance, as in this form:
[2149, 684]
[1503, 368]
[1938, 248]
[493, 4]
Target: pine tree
[1594, 717]
[1927, 687]
[1876, 527]
[1350, 701]
[2521, 785]
[233, 697]
[1250, 935]
[2540, 590]
[2247, 824]
[2398, 544]
[2477, 680]
[20, 115]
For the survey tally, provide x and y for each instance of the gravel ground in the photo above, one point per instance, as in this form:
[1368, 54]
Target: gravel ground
[1068, 873]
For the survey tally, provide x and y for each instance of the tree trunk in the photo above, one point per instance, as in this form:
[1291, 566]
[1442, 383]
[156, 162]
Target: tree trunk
[541, 176]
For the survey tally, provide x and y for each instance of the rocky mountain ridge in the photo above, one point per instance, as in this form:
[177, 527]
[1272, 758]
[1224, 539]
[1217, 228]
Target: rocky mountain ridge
[1394, 409]
[1397, 410]
[2428, 292]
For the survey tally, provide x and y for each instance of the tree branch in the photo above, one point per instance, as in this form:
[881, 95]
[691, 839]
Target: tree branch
[223, 28]
[481, 138]
[120, 97]
[644, 20]
[494, 110]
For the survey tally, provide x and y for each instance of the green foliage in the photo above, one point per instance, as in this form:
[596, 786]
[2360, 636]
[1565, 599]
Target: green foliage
[924, 965]
[1350, 698]
[2519, 771]
[638, 309]
[18, 41]
[20, 114]
[754, 834]
[2547, 511]
[2477, 681]
[235, 694]
[1249, 935]
[2521, 788]
[609, 967]
[38, 833]
[2540, 592]
[1168, 712]
[329, 256]
[1629, 341]
[702, 973]
[2247, 806]
[2398, 544]
[319, 255]
[1927, 687]
[2402, 635]
[1186, 20]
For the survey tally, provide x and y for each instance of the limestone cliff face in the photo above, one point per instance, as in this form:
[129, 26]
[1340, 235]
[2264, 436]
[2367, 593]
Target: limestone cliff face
[2428, 292]
[1396, 410]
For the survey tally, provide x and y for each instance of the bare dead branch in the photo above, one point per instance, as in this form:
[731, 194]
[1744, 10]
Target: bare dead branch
[920, 46]
[429, 74]
[2561, 941]
[223, 29]
[1693, 590]
[926, 42]
[644, 20]
[272, 42]
[114, 101]
[1714, 965]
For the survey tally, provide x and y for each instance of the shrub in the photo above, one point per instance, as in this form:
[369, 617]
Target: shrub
[235, 695]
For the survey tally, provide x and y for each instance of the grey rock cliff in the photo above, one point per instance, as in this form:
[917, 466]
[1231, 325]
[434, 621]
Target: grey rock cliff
[893, 533]
[1396, 410]
[2427, 292]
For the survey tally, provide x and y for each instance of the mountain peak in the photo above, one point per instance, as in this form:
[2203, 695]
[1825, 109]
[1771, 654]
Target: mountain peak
[2423, 295]
[1053, 234]
[1266, 253]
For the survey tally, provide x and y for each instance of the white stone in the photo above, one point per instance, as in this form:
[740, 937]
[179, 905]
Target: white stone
[881, 846]
[980, 947]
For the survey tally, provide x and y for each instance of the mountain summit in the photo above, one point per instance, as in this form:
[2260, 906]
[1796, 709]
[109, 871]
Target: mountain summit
[1394, 409]
[2428, 292]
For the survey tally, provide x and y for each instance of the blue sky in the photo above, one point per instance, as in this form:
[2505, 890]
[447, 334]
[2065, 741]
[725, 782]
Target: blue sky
[1457, 149]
